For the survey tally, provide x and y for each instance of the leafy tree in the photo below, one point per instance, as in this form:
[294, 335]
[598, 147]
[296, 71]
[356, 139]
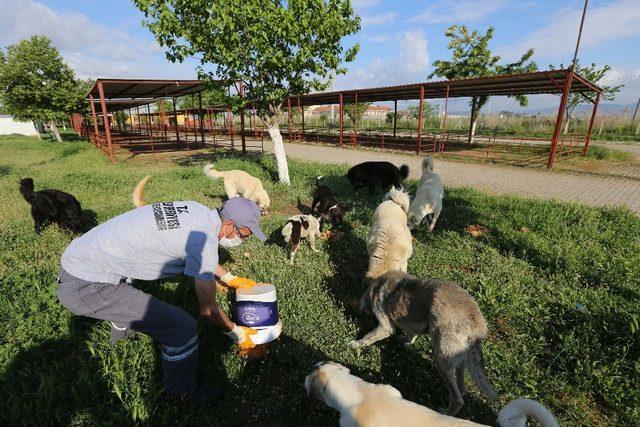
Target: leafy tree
[275, 48]
[594, 74]
[389, 118]
[35, 83]
[210, 98]
[473, 58]
[350, 109]
[428, 110]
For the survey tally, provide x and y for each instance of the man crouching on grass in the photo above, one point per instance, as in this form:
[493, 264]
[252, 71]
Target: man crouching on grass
[153, 242]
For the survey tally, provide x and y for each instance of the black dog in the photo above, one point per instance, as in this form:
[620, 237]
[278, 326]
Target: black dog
[328, 206]
[52, 205]
[384, 174]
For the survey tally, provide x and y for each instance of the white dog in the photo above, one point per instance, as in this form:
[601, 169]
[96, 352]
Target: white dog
[389, 242]
[363, 404]
[239, 183]
[298, 227]
[428, 200]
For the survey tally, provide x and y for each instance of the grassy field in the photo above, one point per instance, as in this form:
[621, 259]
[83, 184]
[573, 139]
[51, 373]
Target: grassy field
[557, 283]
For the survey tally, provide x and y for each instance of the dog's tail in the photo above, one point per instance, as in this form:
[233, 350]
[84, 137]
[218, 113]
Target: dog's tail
[475, 365]
[138, 200]
[211, 172]
[515, 414]
[399, 197]
[427, 164]
[318, 178]
[404, 172]
[26, 189]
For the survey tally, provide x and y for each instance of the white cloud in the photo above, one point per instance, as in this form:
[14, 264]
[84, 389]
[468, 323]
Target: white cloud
[458, 12]
[410, 65]
[90, 48]
[384, 18]
[364, 4]
[603, 24]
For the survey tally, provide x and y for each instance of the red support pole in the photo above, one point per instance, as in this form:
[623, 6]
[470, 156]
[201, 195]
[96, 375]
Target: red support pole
[444, 120]
[201, 118]
[300, 111]
[289, 117]
[95, 119]
[150, 131]
[106, 121]
[355, 120]
[419, 142]
[340, 120]
[556, 130]
[175, 118]
[244, 142]
[593, 118]
[395, 116]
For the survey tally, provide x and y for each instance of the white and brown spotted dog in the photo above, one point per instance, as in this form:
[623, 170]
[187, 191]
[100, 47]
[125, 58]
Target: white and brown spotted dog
[299, 227]
[363, 404]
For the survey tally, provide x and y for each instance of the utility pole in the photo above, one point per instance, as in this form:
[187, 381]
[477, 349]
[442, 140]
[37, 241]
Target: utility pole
[635, 113]
[575, 54]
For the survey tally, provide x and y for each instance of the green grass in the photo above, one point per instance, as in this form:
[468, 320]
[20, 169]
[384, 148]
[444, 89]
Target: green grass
[604, 153]
[557, 283]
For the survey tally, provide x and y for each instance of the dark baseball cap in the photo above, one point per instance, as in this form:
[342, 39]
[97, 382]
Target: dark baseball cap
[244, 213]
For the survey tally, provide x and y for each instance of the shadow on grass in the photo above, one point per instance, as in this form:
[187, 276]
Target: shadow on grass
[59, 381]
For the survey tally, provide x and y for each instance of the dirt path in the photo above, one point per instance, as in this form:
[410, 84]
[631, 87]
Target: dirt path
[587, 189]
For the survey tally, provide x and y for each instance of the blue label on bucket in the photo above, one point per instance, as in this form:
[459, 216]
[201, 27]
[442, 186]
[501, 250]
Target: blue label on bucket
[256, 314]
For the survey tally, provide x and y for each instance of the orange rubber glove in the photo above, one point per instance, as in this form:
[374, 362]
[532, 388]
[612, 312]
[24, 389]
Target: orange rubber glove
[237, 282]
[242, 336]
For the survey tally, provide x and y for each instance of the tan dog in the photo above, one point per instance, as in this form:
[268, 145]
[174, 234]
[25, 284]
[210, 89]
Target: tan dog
[389, 242]
[239, 183]
[363, 404]
[446, 312]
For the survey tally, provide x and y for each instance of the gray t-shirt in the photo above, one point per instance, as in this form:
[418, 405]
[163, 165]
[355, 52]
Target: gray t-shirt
[148, 243]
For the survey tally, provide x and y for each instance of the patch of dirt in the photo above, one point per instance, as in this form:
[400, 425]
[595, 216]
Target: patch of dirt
[476, 230]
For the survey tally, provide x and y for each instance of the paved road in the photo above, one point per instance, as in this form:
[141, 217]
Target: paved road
[587, 189]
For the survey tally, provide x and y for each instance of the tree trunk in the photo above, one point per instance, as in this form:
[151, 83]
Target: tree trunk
[54, 128]
[37, 130]
[474, 120]
[566, 125]
[273, 126]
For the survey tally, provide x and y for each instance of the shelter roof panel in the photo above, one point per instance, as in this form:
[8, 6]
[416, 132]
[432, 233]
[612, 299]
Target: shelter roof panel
[549, 82]
[144, 88]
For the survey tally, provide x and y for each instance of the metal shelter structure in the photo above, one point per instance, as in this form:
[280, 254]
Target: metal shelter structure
[561, 82]
[117, 119]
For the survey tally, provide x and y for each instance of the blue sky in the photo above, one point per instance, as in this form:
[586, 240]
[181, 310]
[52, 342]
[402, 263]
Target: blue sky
[399, 38]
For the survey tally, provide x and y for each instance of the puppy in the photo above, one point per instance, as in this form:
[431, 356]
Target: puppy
[428, 200]
[361, 403]
[384, 174]
[239, 183]
[446, 312]
[328, 206]
[389, 242]
[298, 227]
[52, 205]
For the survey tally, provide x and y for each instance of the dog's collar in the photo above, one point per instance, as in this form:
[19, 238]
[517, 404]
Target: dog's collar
[333, 207]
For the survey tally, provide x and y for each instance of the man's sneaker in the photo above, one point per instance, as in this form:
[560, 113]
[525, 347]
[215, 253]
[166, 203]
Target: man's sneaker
[203, 395]
[119, 333]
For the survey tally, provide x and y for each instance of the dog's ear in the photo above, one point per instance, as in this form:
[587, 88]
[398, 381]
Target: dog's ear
[318, 381]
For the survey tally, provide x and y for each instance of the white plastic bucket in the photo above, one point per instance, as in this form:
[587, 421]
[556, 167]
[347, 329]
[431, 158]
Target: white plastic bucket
[257, 308]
